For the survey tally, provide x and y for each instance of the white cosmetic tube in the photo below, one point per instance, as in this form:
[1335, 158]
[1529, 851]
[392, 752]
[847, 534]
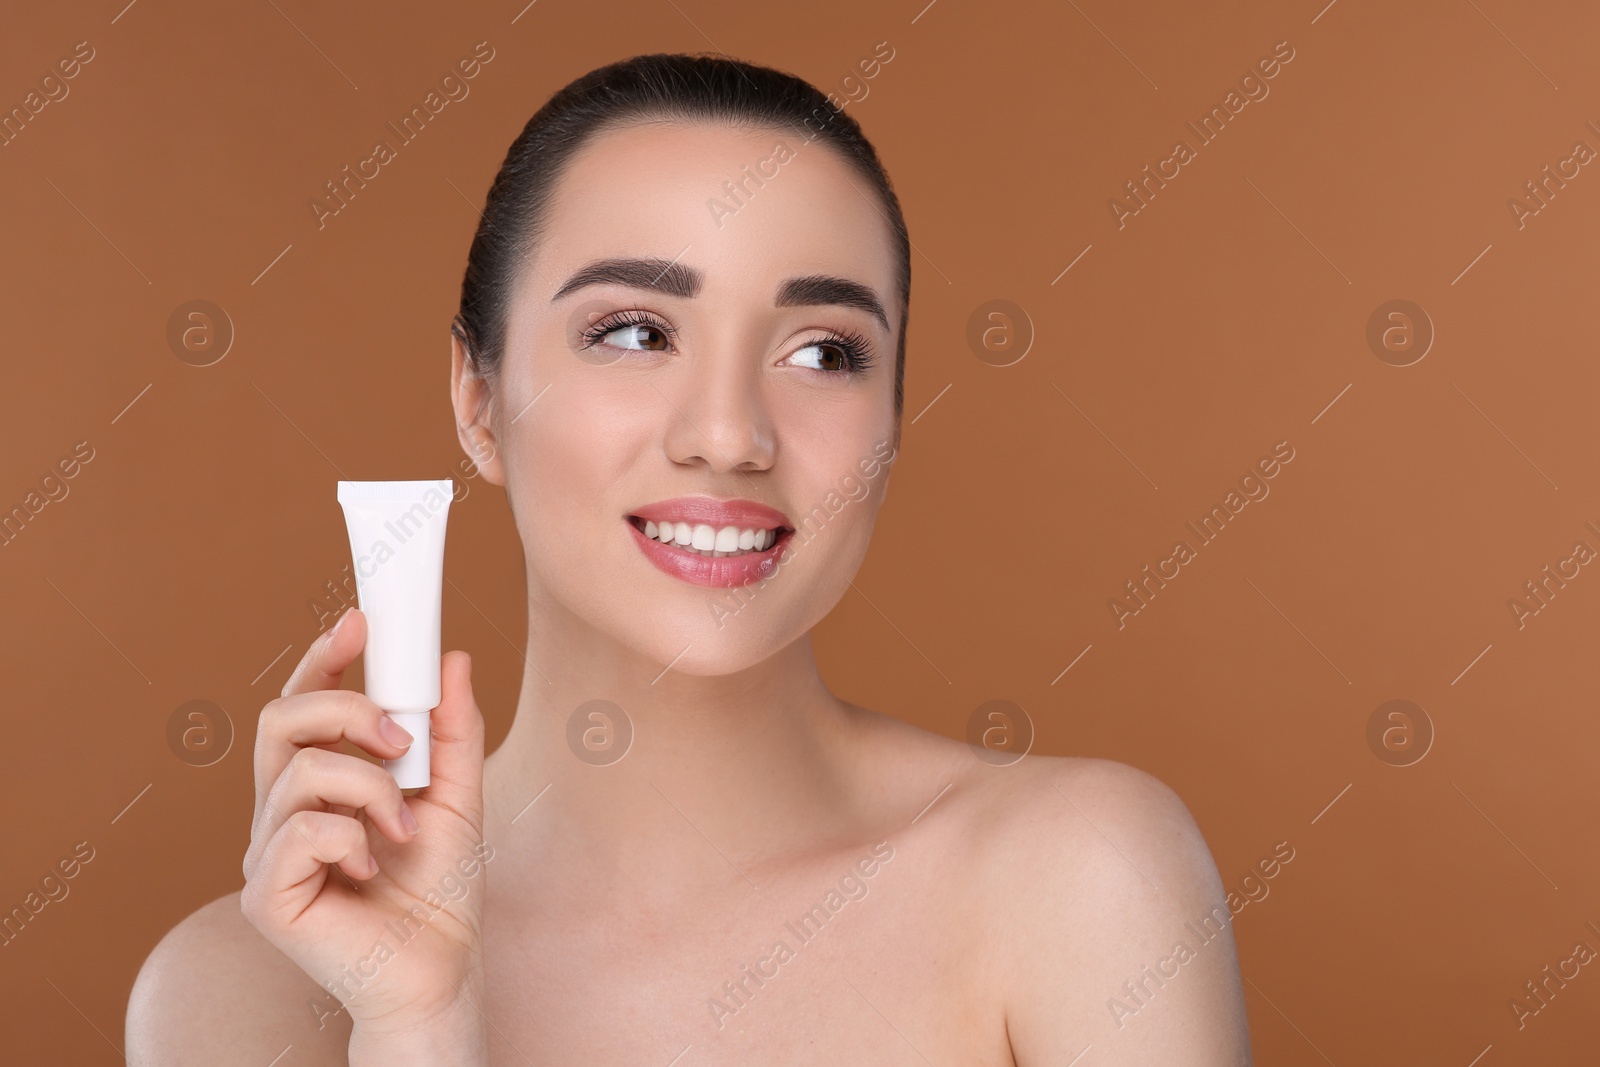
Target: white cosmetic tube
[397, 544]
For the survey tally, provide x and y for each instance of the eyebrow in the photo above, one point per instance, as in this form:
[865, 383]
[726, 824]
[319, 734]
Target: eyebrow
[675, 279]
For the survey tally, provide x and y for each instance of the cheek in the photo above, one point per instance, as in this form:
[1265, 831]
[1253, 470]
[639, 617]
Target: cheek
[563, 454]
[834, 527]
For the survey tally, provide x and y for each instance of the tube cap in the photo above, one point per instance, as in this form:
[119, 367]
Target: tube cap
[412, 770]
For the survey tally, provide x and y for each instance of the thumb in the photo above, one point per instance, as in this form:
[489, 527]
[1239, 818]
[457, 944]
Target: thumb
[456, 760]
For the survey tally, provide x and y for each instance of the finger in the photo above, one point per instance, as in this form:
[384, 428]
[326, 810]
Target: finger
[293, 865]
[323, 719]
[456, 759]
[325, 661]
[315, 778]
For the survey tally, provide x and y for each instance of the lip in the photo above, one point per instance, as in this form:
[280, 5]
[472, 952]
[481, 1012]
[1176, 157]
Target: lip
[745, 514]
[719, 572]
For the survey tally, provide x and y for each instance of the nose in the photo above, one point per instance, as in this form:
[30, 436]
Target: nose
[720, 416]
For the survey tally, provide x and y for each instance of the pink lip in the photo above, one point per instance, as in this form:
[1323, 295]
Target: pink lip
[745, 514]
[724, 571]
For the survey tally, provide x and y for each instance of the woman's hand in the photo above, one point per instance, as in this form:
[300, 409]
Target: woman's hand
[377, 896]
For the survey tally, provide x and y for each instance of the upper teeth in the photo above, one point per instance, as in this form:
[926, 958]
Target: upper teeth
[708, 540]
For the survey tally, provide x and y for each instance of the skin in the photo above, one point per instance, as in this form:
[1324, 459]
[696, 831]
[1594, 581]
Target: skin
[1005, 905]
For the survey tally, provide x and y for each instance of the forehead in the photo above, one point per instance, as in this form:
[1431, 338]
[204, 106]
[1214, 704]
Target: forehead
[748, 207]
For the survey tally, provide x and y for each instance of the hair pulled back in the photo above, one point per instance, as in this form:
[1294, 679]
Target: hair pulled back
[657, 87]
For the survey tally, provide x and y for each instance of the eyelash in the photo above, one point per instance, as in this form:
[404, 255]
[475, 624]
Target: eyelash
[623, 319]
[856, 349]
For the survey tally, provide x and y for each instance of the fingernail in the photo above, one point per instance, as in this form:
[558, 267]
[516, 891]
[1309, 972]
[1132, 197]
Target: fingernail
[372, 865]
[393, 732]
[408, 820]
[338, 624]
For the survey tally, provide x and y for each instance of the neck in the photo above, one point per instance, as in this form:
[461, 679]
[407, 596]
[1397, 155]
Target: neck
[720, 770]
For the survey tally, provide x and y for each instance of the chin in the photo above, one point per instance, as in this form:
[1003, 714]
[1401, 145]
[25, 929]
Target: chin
[706, 650]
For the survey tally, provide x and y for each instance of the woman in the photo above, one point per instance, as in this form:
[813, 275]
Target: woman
[674, 352]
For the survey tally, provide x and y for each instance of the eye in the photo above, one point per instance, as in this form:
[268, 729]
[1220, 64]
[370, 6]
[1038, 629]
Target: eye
[631, 330]
[836, 355]
[823, 356]
[639, 335]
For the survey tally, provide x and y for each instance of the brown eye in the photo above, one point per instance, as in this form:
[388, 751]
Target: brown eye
[639, 336]
[823, 357]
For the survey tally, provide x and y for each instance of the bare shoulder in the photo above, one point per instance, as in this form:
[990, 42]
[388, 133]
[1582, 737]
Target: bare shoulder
[1105, 923]
[1128, 811]
[1003, 809]
[215, 991]
[1114, 922]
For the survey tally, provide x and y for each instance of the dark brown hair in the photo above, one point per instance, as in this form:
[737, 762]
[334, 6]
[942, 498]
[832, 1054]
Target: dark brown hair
[674, 87]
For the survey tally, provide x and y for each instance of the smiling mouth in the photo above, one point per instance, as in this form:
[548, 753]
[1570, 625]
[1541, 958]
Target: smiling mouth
[702, 539]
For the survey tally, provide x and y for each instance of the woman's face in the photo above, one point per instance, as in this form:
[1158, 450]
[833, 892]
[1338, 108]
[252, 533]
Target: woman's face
[697, 346]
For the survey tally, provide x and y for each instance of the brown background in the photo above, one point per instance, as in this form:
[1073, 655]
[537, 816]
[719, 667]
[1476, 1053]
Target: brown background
[1224, 318]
